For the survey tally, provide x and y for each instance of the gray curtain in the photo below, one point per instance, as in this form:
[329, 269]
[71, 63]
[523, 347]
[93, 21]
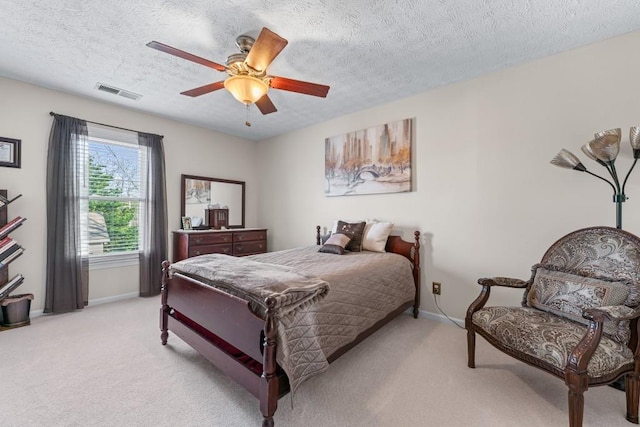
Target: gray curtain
[154, 229]
[67, 277]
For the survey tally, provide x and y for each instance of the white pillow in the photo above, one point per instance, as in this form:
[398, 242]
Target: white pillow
[375, 236]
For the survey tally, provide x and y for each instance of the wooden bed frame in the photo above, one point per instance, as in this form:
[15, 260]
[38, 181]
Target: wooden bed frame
[223, 329]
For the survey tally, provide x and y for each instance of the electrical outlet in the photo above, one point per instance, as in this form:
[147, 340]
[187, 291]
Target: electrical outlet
[437, 287]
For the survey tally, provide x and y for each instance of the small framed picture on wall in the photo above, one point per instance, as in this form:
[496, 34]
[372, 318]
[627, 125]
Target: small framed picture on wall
[10, 152]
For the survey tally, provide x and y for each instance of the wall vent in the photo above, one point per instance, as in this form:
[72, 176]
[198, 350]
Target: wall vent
[116, 91]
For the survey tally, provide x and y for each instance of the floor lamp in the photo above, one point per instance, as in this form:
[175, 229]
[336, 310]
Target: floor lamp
[604, 149]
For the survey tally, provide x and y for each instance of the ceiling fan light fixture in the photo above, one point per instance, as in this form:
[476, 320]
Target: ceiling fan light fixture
[249, 80]
[246, 89]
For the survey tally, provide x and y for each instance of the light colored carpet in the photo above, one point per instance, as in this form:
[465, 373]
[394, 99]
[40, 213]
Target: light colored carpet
[105, 366]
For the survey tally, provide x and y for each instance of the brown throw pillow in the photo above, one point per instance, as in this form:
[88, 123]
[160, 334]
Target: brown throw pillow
[568, 295]
[335, 244]
[354, 231]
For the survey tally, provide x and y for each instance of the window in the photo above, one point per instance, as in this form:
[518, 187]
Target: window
[114, 167]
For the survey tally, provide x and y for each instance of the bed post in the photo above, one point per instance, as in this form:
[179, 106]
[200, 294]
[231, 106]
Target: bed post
[318, 239]
[416, 274]
[164, 309]
[269, 381]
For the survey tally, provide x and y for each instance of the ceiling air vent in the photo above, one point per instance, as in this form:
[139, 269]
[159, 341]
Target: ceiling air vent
[116, 91]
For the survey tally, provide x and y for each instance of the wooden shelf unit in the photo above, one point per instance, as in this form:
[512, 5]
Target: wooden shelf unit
[4, 269]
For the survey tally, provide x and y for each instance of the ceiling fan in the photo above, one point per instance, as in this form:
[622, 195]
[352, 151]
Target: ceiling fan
[248, 80]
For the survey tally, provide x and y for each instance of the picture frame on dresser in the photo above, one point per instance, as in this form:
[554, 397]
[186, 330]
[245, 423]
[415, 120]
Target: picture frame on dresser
[186, 223]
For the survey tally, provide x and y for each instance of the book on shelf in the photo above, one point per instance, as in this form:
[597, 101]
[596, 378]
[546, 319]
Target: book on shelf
[10, 226]
[8, 248]
[4, 242]
[13, 255]
[6, 254]
[10, 286]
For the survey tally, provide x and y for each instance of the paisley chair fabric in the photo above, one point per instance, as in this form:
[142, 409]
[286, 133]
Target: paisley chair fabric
[579, 315]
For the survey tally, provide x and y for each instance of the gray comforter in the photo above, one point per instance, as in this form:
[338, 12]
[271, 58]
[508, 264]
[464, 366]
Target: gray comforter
[363, 288]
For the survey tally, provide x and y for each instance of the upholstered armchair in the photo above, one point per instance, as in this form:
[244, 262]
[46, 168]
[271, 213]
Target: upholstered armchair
[579, 315]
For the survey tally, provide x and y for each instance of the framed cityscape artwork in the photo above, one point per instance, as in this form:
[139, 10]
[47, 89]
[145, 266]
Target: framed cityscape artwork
[369, 161]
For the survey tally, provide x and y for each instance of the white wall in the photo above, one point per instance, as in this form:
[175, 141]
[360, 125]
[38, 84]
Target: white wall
[24, 115]
[486, 198]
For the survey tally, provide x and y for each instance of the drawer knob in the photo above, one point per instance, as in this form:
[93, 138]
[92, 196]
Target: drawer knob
[199, 239]
[197, 252]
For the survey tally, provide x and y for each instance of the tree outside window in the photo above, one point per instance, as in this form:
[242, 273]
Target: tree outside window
[114, 197]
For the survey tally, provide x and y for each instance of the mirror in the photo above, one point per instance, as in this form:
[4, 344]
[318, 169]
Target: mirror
[199, 192]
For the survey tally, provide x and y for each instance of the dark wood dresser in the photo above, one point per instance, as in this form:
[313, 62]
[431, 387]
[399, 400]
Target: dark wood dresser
[236, 242]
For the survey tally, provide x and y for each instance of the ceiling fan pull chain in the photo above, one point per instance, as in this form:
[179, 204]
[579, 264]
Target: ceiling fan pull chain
[247, 123]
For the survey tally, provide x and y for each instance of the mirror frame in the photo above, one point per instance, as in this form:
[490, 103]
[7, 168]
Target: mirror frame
[183, 193]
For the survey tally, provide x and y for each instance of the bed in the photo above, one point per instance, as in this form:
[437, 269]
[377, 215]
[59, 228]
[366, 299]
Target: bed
[250, 339]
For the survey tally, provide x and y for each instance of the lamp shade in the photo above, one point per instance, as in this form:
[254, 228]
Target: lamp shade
[634, 137]
[586, 149]
[616, 132]
[566, 159]
[606, 145]
[246, 89]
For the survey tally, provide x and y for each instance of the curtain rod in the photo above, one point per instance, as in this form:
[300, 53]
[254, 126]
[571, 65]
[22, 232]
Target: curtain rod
[51, 113]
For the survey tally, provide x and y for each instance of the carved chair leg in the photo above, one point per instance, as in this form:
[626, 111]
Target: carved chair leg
[632, 387]
[576, 408]
[471, 347]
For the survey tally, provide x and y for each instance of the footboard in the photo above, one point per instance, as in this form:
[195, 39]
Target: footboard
[223, 329]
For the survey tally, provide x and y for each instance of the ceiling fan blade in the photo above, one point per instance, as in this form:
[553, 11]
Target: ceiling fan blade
[265, 105]
[185, 55]
[266, 47]
[204, 89]
[306, 88]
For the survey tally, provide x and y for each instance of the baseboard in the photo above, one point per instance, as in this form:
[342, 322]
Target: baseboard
[441, 318]
[114, 298]
[422, 313]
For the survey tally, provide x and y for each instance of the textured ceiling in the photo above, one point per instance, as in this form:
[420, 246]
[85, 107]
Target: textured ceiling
[369, 52]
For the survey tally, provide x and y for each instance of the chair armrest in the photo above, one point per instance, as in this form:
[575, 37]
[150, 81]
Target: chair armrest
[581, 354]
[507, 282]
[482, 299]
[611, 312]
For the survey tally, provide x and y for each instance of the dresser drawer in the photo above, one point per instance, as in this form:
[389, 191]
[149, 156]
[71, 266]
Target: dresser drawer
[210, 249]
[246, 248]
[187, 244]
[210, 238]
[245, 236]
